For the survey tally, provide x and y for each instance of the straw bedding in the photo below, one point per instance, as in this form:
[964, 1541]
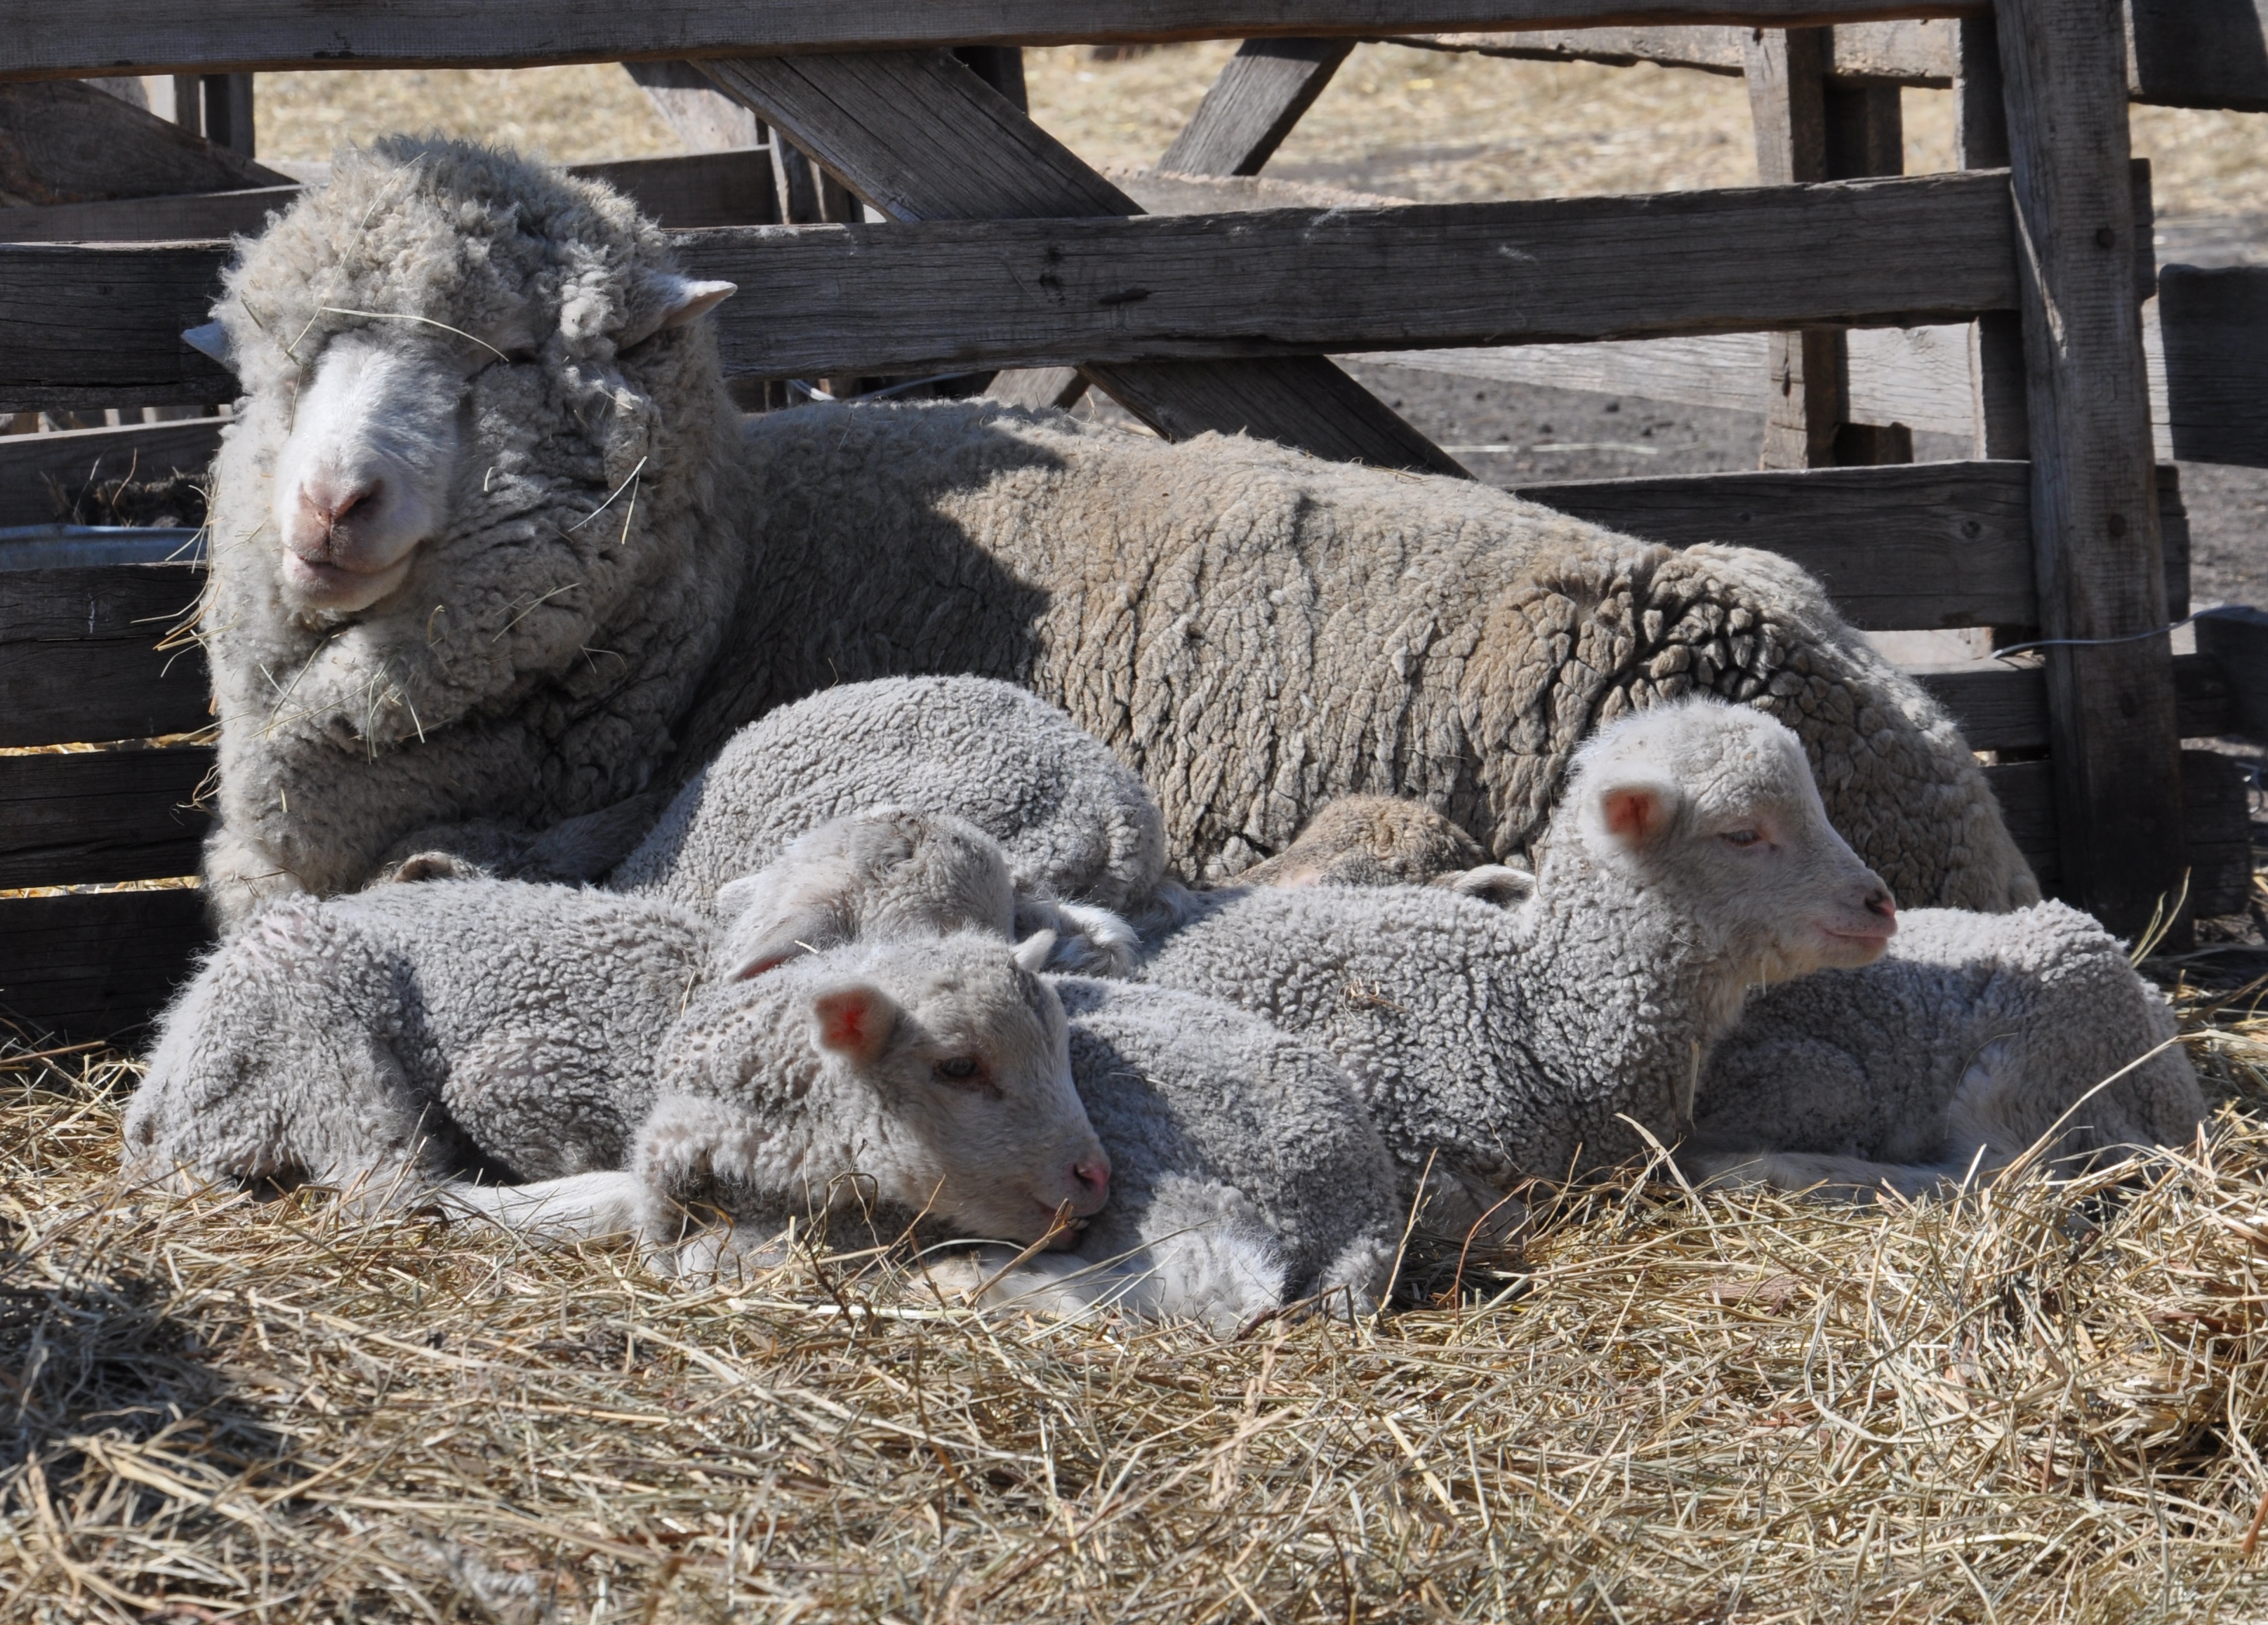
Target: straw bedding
[2046, 1403]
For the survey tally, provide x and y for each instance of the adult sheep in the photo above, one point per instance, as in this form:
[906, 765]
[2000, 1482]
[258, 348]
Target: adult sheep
[488, 543]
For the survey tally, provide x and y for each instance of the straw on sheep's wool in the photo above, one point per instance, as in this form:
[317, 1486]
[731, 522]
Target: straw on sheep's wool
[2046, 1403]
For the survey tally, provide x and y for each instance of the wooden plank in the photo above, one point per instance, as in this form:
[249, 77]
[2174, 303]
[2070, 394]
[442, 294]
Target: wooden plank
[94, 326]
[97, 965]
[2005, 708]
[71, 144]
[1905, 52]
[1900, 547]
[2216, 830]
[1249, 110]
[71, 459]
[2096, 549]
[1903, 547]
[2215, 324]
[2235, 639]
[2180, 53]
[88, 816]
[920, 137]
[39, 39]
[79, 655]
[2199, 53]
[1278, 281]
[697, 189]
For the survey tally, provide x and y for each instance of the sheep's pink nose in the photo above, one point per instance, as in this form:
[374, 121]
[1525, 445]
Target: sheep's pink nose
[1091, 1179]
[328, 501]
[1880, 901]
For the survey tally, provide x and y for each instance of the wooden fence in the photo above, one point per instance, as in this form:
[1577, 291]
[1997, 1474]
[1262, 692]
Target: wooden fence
[2032, 263]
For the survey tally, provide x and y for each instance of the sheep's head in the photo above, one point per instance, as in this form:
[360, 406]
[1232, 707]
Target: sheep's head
[880, 873]
[956, 1059]
[1710, 810]
[413, 334]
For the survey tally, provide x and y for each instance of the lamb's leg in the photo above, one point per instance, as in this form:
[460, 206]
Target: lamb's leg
[579, 1207]
[1219, 1276]
[1852, 1179]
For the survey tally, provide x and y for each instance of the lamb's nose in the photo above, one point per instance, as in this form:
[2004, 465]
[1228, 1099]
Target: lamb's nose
[1880, 901]
[1092, 1181]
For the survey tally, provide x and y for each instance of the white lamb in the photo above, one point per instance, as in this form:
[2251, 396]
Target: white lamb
[1975, 1037]
[1071, 822]
[415, 1034]
[1690, 860]
[1245, 1171]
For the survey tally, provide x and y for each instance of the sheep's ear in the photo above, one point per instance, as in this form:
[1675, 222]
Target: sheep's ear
[211, 338]
[853, 1020]
[775, 945]
[1633, 813]
[1034, 952]
[671, 301]
[1500, 884]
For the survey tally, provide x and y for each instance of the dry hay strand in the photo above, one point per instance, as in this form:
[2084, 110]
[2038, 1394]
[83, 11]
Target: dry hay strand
[2038, 1402]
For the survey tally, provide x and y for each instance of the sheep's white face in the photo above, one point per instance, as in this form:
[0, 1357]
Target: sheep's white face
[363, 477]
[967, 1054]
[379, 431]
[1712, 808]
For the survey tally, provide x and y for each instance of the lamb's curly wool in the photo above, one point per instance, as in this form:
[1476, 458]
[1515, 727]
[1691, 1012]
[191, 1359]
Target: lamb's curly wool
[397, 1041]
[1071, 822]
[1252, 631]
[1547, 1040]
[417, 1031]
[1976, 1036]
[1245, 1173]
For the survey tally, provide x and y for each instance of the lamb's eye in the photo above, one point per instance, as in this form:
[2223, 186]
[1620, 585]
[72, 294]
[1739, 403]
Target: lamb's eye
[959, 1070]
[1741, 837]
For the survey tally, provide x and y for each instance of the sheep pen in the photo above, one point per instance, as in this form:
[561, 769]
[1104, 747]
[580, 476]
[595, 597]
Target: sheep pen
[2045, 1403]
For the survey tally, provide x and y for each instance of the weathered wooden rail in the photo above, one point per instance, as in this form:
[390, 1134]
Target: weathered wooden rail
[1226, 319]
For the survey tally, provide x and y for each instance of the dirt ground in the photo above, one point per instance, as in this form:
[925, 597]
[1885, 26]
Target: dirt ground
[1436, 127]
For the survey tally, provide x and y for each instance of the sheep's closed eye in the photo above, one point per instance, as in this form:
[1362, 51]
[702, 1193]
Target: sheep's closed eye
[962, 1071]
[1740, 837]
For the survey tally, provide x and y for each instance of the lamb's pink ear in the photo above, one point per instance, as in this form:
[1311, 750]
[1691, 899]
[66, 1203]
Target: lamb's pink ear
[671, 301]
[853, 1020]
[1633, 813]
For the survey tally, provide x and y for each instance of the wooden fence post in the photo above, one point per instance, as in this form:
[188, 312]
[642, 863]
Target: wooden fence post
[1810, 126]
[2114, 742]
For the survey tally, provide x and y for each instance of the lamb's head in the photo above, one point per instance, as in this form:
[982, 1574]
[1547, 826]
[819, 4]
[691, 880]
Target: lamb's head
[1371, 840]
[1709, 813]
[409, 336]
[947, 1072]
[885, 872]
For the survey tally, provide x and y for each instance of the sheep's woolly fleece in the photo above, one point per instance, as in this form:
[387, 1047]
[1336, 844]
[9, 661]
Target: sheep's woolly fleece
[1977, 1034]
[1494, 1045]
[1257, 632]
[1220, 1125]
[1071, 821]
[1252, 631]
[415, 1031]
[532, 665]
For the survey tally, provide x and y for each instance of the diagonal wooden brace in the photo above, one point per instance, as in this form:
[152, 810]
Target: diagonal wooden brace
[920, 137]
